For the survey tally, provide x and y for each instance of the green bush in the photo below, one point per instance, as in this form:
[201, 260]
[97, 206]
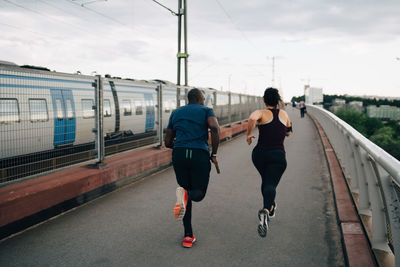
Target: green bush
[386, 136]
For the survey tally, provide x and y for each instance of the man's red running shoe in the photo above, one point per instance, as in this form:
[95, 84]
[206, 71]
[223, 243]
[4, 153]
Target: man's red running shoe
[181, 202]
[188, 241]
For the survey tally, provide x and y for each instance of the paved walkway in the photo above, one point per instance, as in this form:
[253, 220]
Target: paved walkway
[134, 226]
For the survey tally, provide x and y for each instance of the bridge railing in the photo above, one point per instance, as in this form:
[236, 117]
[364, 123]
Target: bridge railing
[373, 177]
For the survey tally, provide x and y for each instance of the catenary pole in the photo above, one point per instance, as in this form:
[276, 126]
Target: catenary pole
[186, 50]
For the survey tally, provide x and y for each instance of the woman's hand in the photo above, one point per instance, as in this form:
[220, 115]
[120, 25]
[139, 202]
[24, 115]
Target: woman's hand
[249, 137]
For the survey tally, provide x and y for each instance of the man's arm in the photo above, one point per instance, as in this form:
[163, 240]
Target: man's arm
[169, 138]
[214, 129]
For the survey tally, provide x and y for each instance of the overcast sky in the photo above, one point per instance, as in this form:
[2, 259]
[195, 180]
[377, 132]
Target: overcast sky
[342, 46]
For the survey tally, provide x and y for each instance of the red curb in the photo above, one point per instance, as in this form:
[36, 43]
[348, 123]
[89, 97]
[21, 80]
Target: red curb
[356, 244]
[21, 200]
[24, 199]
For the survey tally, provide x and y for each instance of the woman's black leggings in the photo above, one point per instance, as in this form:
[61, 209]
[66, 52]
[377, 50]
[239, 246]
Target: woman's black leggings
[192, 168]
[270, 164]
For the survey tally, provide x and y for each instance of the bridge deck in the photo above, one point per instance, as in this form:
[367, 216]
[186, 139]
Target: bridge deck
[134, 226]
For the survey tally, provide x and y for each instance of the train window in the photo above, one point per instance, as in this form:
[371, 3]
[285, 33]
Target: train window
[38, 110]
[126, 106]
[167, 108]
[222, 99]
[235, 99]
[9, 111]
[59, 109]
[173, 105]
[107, 108]
[70, 113]
[87, 108]
[139, 108]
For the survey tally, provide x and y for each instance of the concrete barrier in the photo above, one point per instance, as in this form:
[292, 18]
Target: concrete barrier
[355, 242]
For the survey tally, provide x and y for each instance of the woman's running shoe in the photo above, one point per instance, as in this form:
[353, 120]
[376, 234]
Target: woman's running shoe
[272, 213]
[263, 216]
[188, 241]
[181, 202]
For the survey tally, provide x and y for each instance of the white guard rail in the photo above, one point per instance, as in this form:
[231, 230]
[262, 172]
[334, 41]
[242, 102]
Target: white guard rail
[373, 175]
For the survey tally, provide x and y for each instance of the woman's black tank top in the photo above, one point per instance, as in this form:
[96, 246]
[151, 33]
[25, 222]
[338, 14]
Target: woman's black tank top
[272, 134]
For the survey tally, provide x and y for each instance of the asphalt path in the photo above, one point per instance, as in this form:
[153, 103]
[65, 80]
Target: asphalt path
[134, 226]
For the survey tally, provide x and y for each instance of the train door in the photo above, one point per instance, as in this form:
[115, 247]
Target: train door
[150, 116]
[64, 117]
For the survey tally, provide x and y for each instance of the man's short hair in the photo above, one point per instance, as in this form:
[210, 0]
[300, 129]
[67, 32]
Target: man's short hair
[194, 95]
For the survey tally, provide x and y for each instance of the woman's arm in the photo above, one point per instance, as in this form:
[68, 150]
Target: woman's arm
[254, 117]
[288, 126]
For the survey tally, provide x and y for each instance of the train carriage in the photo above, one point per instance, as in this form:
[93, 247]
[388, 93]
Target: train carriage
[45, 113]
[38, 109]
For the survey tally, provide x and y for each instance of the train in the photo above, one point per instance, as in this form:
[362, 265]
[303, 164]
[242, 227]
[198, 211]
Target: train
[43, 111]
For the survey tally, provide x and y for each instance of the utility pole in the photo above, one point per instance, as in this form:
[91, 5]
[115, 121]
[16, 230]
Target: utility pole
[273, 72]
[182, 11]
[273, 69]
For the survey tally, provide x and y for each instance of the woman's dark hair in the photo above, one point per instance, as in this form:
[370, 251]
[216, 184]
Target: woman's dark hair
[272, 97]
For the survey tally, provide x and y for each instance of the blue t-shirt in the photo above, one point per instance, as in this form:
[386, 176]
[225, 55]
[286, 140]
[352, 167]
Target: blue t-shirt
[190, 125]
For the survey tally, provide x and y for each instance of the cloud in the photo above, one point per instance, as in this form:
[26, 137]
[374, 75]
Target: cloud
[353, 17]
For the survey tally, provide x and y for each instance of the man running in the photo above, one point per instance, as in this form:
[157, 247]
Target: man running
[190, 156]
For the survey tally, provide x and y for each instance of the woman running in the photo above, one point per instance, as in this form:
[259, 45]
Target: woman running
[269, 154]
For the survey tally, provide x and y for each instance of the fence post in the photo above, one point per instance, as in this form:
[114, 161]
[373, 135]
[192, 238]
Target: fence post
[99, 128]
[160, 133]
[230, 107]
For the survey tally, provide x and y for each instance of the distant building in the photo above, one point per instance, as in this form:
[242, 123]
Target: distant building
[313, 95]
[337, 103]
[357, 105]
[383, 112]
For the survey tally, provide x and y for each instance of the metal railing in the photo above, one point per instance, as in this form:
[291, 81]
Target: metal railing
[52, 120]
[374, 179]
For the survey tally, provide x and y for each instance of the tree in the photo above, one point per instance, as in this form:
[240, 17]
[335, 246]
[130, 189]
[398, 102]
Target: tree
[371, 125]
[354, 118]
[384, 137]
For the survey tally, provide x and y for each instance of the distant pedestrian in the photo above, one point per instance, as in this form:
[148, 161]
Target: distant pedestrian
[293, 104]
[190, 156]
[269, 155]
[302, 107]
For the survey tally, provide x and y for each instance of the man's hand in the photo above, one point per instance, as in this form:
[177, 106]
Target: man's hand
[169, 138]
[249, 137]
[214, 160]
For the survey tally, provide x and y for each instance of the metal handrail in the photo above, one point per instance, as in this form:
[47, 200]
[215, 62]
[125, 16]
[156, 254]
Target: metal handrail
[373, 174]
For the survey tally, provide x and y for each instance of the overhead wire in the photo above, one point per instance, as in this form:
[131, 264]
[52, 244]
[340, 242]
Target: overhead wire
[111, 19]
[244, 36]
[234, 24]
[47, 16]
[98, 13]
[33, 32]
